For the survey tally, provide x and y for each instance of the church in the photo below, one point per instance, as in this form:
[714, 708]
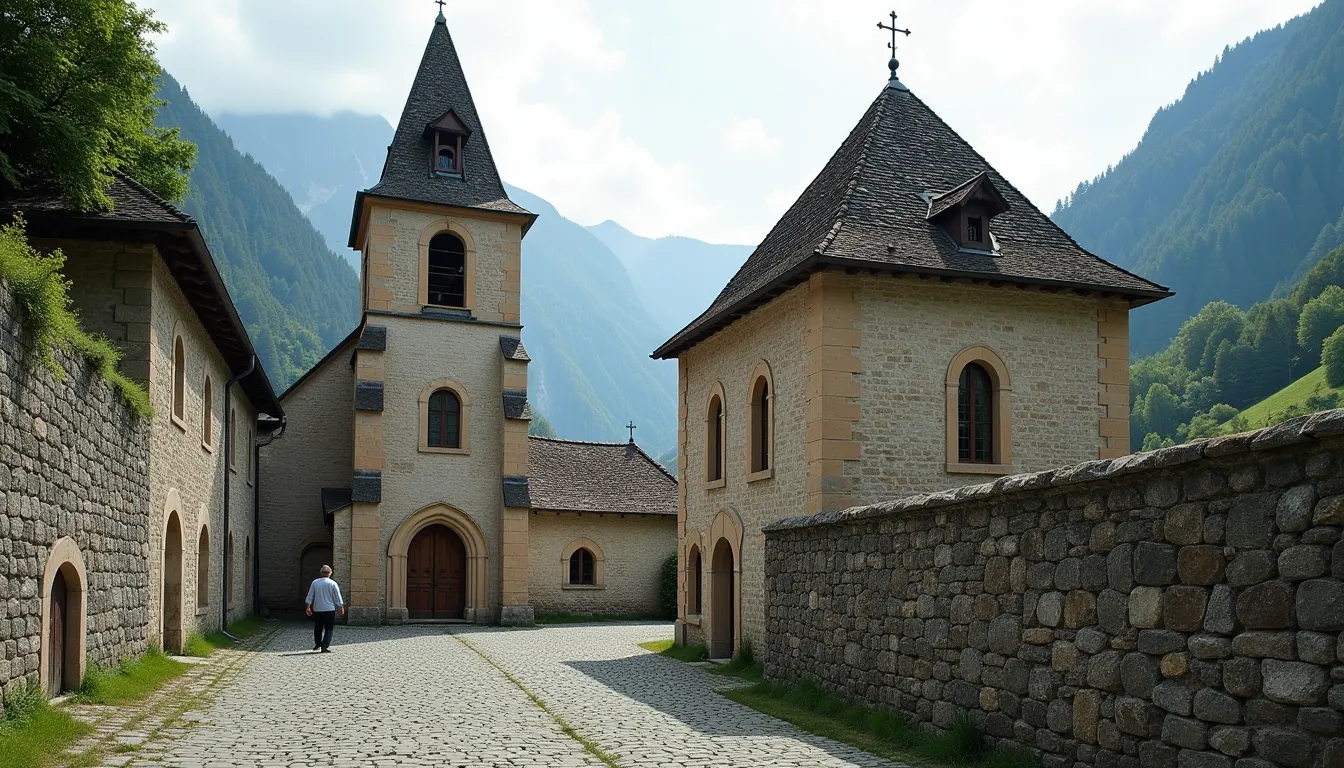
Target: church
[405, 461]
[911, 324]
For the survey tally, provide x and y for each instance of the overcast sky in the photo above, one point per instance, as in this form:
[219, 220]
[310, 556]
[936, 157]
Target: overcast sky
[708, 117]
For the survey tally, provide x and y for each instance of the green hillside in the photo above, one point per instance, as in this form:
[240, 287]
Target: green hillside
[296, 297]
[1292, 401]
[1235, 189]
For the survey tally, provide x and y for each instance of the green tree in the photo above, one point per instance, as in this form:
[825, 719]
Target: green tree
[1320, 317]
[1332, 357]
[1162, 410]
[77, 82]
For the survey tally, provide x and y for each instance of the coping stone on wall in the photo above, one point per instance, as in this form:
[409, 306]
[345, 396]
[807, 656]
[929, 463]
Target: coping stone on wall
[368, 395]
[1303, 429]
[373, 339]
[367, 487]
[516, 405]
[516, 492]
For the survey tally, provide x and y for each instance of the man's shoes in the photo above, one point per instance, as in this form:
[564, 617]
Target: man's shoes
[316, 647]
[326, 650]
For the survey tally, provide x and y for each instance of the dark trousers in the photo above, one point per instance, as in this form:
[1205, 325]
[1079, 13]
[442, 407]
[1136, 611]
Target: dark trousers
[323, 623]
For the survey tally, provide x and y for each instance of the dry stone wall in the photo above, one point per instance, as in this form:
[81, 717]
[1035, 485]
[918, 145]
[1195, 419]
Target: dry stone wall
[1175, 609]
[73, 463]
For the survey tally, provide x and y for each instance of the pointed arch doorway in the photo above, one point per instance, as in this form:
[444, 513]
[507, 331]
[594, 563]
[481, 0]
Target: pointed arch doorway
[436, 584]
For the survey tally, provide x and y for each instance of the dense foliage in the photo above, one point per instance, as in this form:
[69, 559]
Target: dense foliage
[77, 81]
[1224, 359]
[43, 296]
[1235, 189]
[296, 297]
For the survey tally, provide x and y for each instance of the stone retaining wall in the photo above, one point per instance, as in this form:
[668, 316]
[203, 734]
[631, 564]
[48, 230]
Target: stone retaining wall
[73, 463]
[1175, 609]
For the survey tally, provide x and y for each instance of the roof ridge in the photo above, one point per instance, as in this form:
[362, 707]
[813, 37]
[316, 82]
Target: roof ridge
[638, 448]
[147, 192]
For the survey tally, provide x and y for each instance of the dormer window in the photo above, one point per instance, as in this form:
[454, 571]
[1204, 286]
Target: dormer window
[449, 135]
[966, 212]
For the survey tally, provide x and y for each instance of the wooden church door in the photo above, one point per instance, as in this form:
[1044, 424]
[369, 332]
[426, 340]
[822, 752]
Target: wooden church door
[436, 575]
[56, 638]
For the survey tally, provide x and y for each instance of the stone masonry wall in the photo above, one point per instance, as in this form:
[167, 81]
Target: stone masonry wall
[1175, 609]
[633, 549]
[73, 463]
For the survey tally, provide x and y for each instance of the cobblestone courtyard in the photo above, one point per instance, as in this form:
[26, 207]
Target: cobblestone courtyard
[431, 696]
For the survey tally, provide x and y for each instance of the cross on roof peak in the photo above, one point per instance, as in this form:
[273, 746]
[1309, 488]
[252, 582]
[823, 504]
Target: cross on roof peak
[631, 426]
[893, 29]
[441, 4]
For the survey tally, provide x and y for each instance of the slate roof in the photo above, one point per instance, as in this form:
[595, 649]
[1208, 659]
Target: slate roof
[565, 475]
[137, 212]
[866, 210]
[440, 86]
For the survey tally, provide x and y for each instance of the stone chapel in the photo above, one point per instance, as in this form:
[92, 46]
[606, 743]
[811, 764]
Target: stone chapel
[405, 462]
[913, 323]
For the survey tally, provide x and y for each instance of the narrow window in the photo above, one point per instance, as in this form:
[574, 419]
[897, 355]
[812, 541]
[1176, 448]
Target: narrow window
[208, 414]
[975, 416]
[203, 569]
[228, 573]
[447, 271]
[233, 438]
[973, 229]
[760, 425]
[581, 567]
[447, 160]
[250, 441]
[715, 453]
[444, 427]
[179, 379]
[696, 577]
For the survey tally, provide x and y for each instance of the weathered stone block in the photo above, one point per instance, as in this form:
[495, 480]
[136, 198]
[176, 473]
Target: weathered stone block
[1175, 665]
[1231, 741]
[1220, 615]
[1303, 562]
[1285, 746]
[1202, 759]
[1293, 512]
[1266, 606]
[1329, 511]
[1139, 674]
[1080, 609]
[1321, 720]
[1136, 716]
[1251, 567]
[1120, 567]
[1183, 608]
[1320, 605]
[1154, 564]
[1050, 609]
[1248, 521]
[1202, 565]
[1264, 645]
[1184, 524]
[1217, 707]
[1090, 640]
[1184, 732]
[1204, 646]
[1145, 607]
[1294, 682]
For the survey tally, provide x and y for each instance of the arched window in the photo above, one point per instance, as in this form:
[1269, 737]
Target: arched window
[179, 379]
[446, 274]
[696, 580]
[233, 438]
[714, 440]
[581, 569]
[203, 569]
[228, 572]
[447, 160]
[251, 440]
[975, 416]
[760, 426]
[443, 428]
[208, 415]
[247, 570]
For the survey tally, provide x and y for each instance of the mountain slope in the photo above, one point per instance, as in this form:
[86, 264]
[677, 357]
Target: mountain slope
[1237, 187]
[589, 337]
[322, 161]
[676, 277]
[295, 296]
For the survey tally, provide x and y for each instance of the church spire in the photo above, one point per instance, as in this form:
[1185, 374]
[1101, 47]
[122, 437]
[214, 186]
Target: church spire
[439, 153]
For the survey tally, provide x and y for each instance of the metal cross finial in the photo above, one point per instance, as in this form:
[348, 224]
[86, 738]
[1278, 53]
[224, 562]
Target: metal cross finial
[445, 2]
[631, 426]
[893, 64]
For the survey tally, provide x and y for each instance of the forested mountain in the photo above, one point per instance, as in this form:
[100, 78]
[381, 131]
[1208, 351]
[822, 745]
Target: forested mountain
[295, 296]
[677, 278]
[1237, 188]
[322, 161]
[1224, 359]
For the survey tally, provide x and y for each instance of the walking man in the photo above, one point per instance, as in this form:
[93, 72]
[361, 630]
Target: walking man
[323, 604]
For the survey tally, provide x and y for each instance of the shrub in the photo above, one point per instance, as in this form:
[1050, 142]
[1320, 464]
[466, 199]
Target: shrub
[1332, 357]
[667, 588]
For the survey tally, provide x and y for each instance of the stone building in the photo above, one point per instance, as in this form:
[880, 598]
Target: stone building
[911, 324]
[181, 558]
[406, 463]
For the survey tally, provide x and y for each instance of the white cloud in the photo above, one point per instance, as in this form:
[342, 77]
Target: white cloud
[747, 136]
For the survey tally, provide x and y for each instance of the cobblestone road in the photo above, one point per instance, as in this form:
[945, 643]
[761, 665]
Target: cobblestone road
[425, 696]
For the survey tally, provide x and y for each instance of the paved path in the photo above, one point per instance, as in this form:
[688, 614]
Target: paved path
[425, 696]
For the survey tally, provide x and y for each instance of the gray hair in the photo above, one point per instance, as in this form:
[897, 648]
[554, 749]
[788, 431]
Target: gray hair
[326, 570]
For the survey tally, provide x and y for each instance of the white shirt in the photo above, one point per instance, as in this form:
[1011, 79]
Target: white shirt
[324, 595]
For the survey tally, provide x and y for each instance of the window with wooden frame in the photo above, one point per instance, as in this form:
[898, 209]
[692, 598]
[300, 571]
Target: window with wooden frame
[696, 584]
[203, 569]
[208, 415]
[760, 425]
[179, 406]
[444, 420]
[582, 570]
[714, 449]
[975, 416]
[979, 413]
[446, 273]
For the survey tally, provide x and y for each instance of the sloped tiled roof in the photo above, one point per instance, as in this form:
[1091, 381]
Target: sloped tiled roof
[440, 86]
[866, 209]
[564, 475]
[137, 212]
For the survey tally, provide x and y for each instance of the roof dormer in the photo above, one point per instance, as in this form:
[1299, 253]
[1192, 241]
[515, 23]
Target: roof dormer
[449, 136]
[966, 212]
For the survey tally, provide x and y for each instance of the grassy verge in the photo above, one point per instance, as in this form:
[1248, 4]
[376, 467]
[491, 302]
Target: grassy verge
[678, 652]
[586, 618]
[742, 666]
[202, 646]
[876, 730]
[33, 733]
[131, 681]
